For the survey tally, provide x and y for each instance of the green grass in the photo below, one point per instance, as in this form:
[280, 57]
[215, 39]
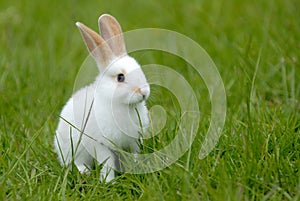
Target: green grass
[255, 45]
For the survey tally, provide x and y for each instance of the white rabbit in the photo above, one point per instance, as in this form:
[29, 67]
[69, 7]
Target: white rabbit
[108, 113]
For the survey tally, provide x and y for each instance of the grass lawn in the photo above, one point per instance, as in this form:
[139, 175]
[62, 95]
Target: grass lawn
[255, 46]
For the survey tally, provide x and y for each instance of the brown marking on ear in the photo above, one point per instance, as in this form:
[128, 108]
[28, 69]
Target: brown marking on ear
[96, 45]
[91, 38]
[111, 32]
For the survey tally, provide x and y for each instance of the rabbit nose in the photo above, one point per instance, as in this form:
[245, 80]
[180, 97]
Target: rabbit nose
[145, 91]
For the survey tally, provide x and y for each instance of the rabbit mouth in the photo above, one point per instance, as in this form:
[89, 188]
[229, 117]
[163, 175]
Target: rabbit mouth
[137, 98]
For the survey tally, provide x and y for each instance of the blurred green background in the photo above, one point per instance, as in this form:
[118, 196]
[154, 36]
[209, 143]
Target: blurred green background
[255, 46]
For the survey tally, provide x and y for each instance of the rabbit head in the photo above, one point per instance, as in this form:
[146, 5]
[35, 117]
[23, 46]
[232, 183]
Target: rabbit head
[121, 77]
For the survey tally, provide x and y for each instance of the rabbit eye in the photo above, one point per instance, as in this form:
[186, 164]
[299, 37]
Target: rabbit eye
[121, 77]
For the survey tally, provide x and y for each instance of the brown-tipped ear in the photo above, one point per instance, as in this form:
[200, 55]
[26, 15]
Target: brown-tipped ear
[96, 45]
[111, 32]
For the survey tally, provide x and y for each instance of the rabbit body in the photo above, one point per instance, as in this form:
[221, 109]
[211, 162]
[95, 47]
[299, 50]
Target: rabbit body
[107, 114]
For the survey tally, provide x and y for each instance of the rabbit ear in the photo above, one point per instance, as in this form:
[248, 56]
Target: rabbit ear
[96, 46]
[112, 33]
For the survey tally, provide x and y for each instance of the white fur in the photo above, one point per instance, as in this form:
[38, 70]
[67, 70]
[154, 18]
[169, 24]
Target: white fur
[102, 115]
